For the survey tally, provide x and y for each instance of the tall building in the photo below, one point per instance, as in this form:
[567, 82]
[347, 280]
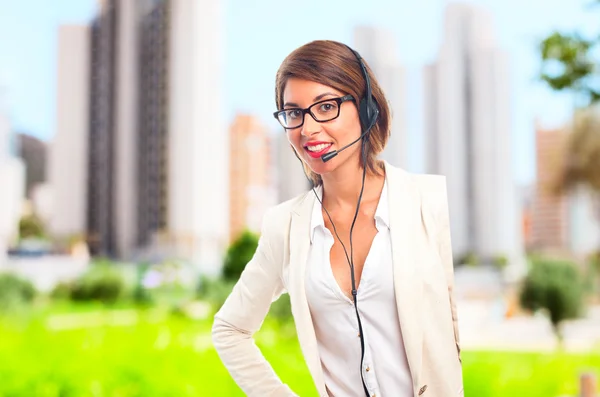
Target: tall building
[33, 152]
[291, 180]
[467, 116]
[561, 222]
[101, 156]
[125, 129]
[152, 159]
[251, 190]
[549, 214]
[115, 132]
[12, 183]
[377, 46]
[158, 159]
[197, 142]
[68, 151]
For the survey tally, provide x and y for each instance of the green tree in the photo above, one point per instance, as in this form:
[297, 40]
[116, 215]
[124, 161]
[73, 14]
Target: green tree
[570, 63]
[239, 254]
[557, 288]
[30, 226]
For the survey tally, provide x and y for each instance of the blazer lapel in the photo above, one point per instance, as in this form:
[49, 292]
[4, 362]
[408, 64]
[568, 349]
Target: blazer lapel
[405, 215]
[299, 247]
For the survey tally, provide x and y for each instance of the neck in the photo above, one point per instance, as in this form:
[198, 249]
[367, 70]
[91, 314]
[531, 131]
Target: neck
[341, 189]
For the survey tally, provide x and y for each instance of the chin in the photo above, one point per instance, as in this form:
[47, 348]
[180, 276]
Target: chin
[319, 167]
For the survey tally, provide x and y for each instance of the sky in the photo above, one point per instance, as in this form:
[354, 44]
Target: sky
[259, 34]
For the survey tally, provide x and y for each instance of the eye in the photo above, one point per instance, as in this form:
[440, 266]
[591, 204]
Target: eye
[293, 114]
[327, 107]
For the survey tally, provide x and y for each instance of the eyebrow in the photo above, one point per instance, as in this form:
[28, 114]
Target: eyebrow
[316, 99]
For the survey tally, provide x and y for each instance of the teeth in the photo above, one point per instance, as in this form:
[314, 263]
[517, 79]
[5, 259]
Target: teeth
[318, 148]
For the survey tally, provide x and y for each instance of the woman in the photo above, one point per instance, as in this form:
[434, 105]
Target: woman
[365, 256]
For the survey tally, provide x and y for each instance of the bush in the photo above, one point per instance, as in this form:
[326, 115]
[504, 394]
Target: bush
[102, 283]
[594, 273]
[31, 226]
[14, 291]
[556, 287]
[62, 291]
[214, 291]
[468, 259]
[239, 254]
[500, 261]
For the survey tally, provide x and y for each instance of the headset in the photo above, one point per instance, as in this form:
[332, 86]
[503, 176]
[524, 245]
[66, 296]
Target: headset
[368, 111]
[368, 114]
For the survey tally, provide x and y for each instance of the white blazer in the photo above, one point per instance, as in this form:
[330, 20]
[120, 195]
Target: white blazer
[423, 282]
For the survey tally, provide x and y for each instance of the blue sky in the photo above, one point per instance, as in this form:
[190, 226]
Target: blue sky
[261, 33]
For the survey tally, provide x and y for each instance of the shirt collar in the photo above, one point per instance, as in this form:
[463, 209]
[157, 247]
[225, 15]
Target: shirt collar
[381, 213]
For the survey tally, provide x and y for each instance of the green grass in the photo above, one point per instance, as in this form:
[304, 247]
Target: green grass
[491, 374]
[129, 353]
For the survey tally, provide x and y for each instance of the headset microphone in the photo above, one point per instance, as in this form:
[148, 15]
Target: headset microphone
[328, 156]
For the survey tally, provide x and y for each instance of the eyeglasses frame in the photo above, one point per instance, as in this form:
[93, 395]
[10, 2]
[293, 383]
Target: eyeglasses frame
[339, 100]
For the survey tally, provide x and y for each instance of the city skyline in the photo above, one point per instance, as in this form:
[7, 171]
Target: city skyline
[143, 137]
[468, 135]
[139, 97]
[249, 88]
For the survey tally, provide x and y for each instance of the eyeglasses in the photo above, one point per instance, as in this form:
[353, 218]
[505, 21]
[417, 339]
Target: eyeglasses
[322, 111]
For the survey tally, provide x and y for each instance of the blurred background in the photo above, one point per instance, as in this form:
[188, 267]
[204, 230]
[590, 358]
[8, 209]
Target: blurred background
[138, 155]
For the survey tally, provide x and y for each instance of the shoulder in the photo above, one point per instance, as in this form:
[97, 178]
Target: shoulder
[434, 197]
[277, 218]
[428, 186]
[429, 189]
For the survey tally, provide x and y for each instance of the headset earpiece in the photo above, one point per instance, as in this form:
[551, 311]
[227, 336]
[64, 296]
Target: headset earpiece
[368, 113]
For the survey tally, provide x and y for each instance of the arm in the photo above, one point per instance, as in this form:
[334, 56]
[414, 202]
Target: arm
[445, 250]
[242, 315]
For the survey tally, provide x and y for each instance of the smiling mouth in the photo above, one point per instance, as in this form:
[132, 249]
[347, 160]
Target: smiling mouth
[316, 151]
[318, 148]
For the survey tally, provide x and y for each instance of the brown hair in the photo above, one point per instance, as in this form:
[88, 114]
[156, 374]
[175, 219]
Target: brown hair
[333, 64]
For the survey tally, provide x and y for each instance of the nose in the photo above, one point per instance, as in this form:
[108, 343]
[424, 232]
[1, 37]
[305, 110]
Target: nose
[310, 126]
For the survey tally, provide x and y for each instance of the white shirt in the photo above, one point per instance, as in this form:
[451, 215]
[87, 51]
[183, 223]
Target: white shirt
[385, 367]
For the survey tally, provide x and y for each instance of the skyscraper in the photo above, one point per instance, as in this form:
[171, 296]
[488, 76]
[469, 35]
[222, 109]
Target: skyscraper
[68, 157]
[12, 183]
[158, 155]
[197, 142]
[100, 220]
[152, 160]
[126, 131]
[467, 116]
[33, 153]
[377, 46]
[549, 223]
[251, 190]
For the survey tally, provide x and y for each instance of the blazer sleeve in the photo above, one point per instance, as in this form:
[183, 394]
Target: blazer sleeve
[242, 315]
[445, 250]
